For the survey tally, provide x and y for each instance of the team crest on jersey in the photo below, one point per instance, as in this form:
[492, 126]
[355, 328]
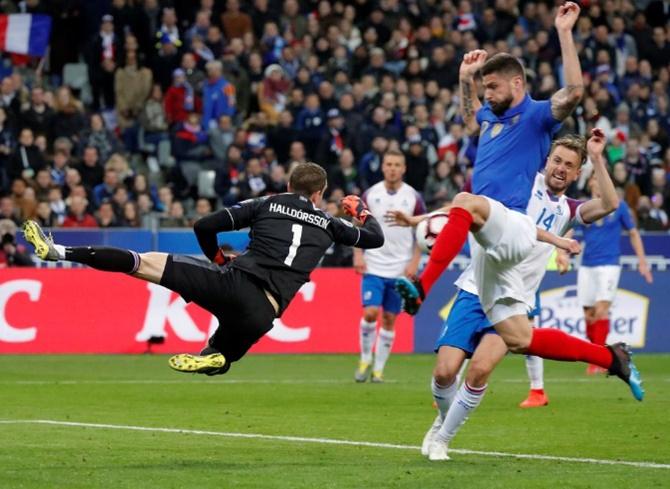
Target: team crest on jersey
[559, 210]
[497, 129]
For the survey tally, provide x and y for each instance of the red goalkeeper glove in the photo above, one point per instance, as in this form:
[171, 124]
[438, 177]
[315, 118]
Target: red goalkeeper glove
[222, 258]
[355, 207]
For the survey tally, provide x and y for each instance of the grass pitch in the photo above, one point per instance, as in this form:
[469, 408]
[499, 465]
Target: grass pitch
[315, 397]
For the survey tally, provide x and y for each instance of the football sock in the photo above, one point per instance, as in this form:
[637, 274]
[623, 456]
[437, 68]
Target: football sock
[104, 258]
[535, 369]
[367, 337]
[467, 398]
[383, 349]
[447, 245]
[557, 345]
[443, 396]
[601, 328]
[590, 330]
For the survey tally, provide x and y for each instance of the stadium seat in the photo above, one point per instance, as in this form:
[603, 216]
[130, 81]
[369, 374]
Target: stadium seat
[206, 184]
[75, 75]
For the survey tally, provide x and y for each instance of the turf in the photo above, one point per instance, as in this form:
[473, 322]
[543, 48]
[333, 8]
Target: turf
[314, 396]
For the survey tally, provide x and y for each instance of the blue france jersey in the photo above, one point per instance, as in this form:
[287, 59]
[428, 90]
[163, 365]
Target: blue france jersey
[511, 150]
[602, 239]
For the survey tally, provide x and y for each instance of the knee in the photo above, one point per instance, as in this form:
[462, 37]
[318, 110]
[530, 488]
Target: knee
[601, 312]
[478, 373]
[444, 376]
[518, 343]
[465, 200]
[370, 314]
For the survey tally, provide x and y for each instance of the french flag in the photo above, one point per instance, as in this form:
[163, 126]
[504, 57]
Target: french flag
[25, 33]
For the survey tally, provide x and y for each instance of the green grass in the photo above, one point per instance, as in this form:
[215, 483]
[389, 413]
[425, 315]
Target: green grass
[314, 396]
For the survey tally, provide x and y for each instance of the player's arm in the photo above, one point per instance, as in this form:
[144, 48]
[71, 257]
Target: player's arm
[638, 247]
[470, 103]
[608, 201]
[399, 218]
[566, 99]
[562, 256]
[227, 219]
[570, 245]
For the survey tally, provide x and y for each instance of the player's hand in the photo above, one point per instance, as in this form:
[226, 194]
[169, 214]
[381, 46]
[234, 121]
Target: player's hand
[398, 218]
[562, 262]
[472, 63]
[353, 206]
[572, 246]
[645, 271]
[223, 257]
[596, 143]
[567, 16]
[411, 270]
[359, 264]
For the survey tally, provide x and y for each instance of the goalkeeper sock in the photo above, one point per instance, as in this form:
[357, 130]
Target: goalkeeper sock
[104, 258]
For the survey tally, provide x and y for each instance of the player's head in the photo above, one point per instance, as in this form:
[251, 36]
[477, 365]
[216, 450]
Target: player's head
[564, 163]
[308, 179]
[393, 166]
[504, 82]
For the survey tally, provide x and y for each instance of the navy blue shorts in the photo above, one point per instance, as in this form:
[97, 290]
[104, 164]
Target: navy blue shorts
[380, 292]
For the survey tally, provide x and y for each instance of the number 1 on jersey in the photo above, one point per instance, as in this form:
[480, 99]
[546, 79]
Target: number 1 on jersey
[296, 229]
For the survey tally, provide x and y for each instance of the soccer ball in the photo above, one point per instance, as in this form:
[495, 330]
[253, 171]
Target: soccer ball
[428, 229]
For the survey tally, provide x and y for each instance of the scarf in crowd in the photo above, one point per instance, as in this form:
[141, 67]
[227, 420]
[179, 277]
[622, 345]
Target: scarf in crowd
[189, 97]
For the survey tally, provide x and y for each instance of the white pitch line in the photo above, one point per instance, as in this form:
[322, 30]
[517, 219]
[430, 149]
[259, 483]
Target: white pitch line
[331, 441]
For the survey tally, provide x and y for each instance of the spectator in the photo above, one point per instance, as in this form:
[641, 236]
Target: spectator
[345, 176]
[9, 99]
[69, 119]
[43, 183]
[645, 219]
[90, 169]
[311, 123]
[77, 216]
[218, 95]
[98, 136]
[370, 165]
[203, 207]
[175, 217]
[133, 86]
[180, 99]
[104, 191]
[272, 92]
[417, 164]
[105, 215]
[26, 159]
[255, 182]
[44, 216]
[441, 186]
[104, 54]
[12, 254]
[221, 136]
[130, 216]
[39, 117]
[235, 22]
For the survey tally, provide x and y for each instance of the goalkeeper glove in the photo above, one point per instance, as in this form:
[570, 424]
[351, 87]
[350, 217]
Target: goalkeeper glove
[222, 258]
[355, 207]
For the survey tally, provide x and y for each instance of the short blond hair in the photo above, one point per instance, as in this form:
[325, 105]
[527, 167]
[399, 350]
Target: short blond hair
[573, 142]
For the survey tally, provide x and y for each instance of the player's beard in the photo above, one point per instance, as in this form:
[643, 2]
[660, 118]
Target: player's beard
[556, 186]
[499, 108]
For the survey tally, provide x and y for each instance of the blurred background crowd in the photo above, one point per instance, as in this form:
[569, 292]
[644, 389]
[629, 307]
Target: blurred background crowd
[147, 113]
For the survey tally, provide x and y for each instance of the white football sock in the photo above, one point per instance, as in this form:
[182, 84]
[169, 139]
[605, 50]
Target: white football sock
[466, 400]
[535, 368]
[383, 349]
[367, 336]
[443, 396]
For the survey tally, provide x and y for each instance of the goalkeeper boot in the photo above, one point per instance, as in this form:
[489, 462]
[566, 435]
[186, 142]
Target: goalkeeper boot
[363, 371]
[624, 368]
[44, 245]
[212, 364]
[411, 293]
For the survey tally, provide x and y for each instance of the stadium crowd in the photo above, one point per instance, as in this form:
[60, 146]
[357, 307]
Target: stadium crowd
[189, 105]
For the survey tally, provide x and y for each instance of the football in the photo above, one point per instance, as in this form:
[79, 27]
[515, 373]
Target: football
[428, 229]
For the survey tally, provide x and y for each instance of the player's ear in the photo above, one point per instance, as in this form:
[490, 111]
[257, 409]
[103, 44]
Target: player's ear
[289, 188]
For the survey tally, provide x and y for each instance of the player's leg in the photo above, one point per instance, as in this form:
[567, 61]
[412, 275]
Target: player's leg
[244, 309]
[535, 368]
[460, 335]
[372, 290]
[554, 344]
[490, 351]
[391, 304]
[468, 213]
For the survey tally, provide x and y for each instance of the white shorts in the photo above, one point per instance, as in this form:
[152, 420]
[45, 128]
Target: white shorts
[595, 284]
[505, 240]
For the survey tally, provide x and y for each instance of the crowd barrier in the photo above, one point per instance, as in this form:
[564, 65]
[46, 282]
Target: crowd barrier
[86, 311]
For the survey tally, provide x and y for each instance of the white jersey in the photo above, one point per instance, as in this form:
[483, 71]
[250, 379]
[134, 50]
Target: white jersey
[390, 260]
[553, 214]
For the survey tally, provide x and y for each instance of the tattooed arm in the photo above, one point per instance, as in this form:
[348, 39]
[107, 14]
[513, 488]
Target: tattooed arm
[566, 99]
[470, 103]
